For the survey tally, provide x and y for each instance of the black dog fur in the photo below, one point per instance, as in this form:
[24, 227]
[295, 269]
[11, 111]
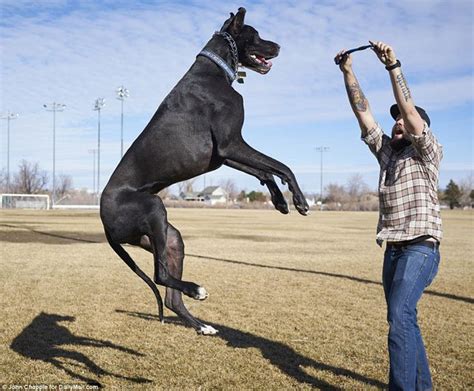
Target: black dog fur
[195, 130]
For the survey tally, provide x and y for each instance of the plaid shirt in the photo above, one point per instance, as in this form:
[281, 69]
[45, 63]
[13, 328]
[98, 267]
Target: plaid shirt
[408, 186]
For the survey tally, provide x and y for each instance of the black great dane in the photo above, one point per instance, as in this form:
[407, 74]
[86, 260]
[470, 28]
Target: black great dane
[195, 130]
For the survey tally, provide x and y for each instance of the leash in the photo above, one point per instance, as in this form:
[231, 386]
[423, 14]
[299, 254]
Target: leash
[354, 50]
[230, 71]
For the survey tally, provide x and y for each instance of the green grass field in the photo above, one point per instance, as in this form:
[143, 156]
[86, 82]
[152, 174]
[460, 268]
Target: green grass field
[298, 302]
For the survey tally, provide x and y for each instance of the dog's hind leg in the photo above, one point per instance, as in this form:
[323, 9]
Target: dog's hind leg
[128, 216]
[157, 233]
[132, 265]
[174, 299]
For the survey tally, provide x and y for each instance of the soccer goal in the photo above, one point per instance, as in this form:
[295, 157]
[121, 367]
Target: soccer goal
[25, 201]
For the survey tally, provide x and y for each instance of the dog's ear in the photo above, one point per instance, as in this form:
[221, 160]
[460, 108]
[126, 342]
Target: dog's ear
[227, 23]
[234, 24]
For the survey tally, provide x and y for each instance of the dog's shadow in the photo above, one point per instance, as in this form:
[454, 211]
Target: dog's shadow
[282, 356]
[45, 339]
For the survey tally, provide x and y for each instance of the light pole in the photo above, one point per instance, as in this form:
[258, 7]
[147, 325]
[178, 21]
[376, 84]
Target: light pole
[99, 103]
[122, 94]
[322, 150]
[8, 116]
[93, 151]
[54, 107]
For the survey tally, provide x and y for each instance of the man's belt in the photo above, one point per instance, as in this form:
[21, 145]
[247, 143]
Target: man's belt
[420, 241]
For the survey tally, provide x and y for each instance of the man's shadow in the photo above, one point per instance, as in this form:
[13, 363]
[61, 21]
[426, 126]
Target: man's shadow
[43, 338]
[282, 356]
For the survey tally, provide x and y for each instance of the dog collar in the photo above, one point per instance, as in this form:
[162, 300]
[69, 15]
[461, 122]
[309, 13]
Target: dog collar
[229, 72]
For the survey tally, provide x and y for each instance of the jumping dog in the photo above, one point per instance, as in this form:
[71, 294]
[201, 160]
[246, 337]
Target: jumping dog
[196, 129]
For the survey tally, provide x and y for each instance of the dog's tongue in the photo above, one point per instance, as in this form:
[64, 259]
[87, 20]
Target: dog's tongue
[264, 62]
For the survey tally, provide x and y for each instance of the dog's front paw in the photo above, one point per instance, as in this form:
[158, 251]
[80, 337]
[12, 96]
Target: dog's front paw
[282, 208]
[301, 205]
[278, 200]
[280, 204]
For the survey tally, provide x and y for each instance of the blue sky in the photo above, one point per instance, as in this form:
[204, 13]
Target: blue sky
[73, 52]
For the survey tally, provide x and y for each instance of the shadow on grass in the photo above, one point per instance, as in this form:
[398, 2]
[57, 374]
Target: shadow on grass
[66, 237]
[43, 338]
[327, 274]
[280, 355]
[25, 234]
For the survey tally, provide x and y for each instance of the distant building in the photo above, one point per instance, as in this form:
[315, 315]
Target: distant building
[211, 195]
[192, 196]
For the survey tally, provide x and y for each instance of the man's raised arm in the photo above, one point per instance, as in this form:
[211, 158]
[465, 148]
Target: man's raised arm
[357, 99]
[411, 118]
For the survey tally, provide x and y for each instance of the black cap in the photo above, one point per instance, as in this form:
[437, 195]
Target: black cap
[395, 112]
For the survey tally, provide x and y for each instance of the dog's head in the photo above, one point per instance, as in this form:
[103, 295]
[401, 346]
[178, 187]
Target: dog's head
[253, 51]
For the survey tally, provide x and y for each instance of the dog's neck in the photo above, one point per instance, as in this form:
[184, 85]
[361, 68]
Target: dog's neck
[222, 50]
[233, 52]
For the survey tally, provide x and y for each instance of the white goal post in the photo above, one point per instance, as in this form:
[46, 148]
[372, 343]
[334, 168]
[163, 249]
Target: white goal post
[24, 201]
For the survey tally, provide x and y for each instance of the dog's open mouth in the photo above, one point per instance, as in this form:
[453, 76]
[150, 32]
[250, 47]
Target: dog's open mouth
[261, 61]
[261, 64]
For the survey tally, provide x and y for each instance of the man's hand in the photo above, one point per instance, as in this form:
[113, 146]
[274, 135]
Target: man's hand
[345, 61]
[384, 52]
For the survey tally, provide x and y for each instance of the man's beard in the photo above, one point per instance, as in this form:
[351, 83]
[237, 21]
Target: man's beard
[400, 144]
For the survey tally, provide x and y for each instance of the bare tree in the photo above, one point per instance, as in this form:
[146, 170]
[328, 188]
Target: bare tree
[30, 179]
[3, 180]
[466, 186]
[242, 196]
[354, 196]
[186, 186]
[230, 188]
[356, 187]
[336, 193]
[80, 197]
[63, 186]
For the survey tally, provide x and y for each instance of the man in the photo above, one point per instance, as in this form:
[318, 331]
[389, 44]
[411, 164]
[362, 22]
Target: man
[409, 218]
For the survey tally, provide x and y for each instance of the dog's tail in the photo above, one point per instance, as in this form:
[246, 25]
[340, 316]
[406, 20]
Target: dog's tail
[117, 247]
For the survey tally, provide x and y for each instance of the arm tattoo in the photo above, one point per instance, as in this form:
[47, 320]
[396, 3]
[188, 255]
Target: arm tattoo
[356, 97]
[402, 83]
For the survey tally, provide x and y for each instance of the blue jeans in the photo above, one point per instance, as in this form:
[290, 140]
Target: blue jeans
[407, 271]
